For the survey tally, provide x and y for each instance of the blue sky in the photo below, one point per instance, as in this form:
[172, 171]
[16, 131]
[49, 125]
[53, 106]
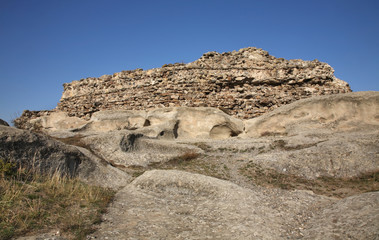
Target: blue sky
[45, 43]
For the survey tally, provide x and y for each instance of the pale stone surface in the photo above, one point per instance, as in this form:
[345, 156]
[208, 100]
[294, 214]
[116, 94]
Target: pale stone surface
[57, 121]
[328, 114]
[164, 204]
[179, 205]
[333, 136]
[128, 149]
[315, 155]
[179, 122]
[168, 123]
[104, 121]
[355, 217]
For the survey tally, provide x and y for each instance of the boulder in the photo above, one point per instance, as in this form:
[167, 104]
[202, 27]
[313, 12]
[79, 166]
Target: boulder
[200, 122]
[328, 136]
[38, 151]
[339, 155]
[4, 123]
[57, 121]
[108, 120]
[167, 123]
[128, 149]
[46, 155]
[327, 114]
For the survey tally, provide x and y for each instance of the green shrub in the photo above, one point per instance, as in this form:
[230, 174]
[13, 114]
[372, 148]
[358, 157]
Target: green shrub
[7, 168]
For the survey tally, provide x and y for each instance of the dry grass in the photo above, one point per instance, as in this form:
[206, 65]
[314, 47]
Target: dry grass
[329, 186]
[183, 158]
[194, 162]
[32, 203]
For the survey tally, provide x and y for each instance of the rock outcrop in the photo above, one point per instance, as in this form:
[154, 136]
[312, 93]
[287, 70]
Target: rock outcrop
[323, 136]
[334, 113]
[244, 83]
[38, 151]
[4, 123]
[125, 149]
[44, 154]
[167, 123]
[355, 217]
[217, 149]
[172, 204]
[335, 136]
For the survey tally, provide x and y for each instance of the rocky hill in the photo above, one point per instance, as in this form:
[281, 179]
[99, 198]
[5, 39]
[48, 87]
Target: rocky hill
[307, 170]
[187, 164]
[244, 83]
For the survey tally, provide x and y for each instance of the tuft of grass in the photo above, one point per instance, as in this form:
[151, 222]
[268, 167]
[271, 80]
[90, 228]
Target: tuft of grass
[203, 146]
[185, 157]
[182, 159]
[32, 203]
[196, 163]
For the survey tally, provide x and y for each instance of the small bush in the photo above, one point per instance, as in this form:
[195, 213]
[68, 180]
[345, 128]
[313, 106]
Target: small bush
[7, 168]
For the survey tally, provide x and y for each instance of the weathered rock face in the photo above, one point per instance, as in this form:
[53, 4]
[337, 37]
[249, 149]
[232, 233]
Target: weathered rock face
[169, 204]
[4, 123]
[334, 136]
[178, 122]
[38, 151]
[324, 144]
[246, 83]
[126, 149]
[180, 205]
[336, 113]
[44, 154]
[314, 155]
[167, 123]
[355, 217]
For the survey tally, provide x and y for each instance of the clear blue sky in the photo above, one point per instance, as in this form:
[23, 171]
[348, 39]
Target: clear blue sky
[45, 43]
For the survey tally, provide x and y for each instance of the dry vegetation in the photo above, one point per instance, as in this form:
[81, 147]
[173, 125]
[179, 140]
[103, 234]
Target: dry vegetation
[329, 186]
[253, 174]
[32, 203]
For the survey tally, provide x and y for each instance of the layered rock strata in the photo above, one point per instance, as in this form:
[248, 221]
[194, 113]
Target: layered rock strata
[244, 83]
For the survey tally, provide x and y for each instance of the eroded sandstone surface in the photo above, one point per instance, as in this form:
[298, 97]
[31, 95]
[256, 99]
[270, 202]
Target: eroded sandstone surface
[47, 155]
[334, 136]
[170, 204]
[232, 146]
